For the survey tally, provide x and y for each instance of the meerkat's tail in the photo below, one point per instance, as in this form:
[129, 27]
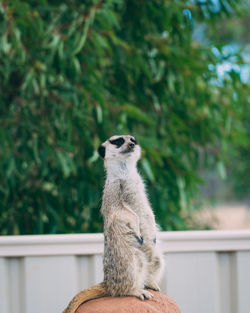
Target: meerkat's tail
[85, 295]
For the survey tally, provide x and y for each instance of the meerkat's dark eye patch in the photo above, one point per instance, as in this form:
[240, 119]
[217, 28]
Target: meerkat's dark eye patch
[118, 142]
[101, 151]
[134, 141]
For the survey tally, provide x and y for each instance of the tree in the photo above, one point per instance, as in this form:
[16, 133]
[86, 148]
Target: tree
[230, 34]
[72, 73]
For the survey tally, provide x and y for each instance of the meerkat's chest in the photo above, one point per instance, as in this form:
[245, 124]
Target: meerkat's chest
[133, 191]
[134, 194]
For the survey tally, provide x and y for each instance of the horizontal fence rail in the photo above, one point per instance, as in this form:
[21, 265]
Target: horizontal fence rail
[206, 271]
[86, 244]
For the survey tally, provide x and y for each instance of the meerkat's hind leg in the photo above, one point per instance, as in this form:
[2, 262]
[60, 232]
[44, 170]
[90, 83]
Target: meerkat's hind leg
[140, 268]
[155, 269]
[152, 285]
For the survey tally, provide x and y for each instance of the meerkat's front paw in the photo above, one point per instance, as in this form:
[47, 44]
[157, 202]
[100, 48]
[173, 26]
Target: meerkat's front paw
[139, 239]
[153, 286]
[135, 228]
[136, 232]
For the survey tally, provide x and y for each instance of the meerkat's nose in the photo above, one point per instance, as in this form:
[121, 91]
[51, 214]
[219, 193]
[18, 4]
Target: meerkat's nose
[131, 145]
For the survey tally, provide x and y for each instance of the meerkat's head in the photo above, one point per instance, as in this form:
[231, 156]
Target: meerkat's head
[120, 148]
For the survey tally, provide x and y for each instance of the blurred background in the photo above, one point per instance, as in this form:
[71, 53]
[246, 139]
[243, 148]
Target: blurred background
[175, 74]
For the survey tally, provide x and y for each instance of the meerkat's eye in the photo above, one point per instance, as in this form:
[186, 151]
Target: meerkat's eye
[133, 140]
[118, 142]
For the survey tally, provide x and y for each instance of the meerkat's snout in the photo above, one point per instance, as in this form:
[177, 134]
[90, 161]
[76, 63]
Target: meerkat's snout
[131, 145]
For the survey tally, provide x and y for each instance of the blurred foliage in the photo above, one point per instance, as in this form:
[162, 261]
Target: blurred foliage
[238, 161]
[232, 34]
[231, 29]
[72, 73]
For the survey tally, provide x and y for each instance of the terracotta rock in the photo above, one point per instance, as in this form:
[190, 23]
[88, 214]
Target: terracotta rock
[161, 303]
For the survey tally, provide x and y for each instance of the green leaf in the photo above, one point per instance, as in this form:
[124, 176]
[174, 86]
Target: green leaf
[11, 167]
[222, 170]
[137, 114]
[148, 170]
[64, 164]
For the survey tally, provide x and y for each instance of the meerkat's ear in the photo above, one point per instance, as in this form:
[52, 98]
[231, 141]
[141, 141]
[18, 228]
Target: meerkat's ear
[101, 151]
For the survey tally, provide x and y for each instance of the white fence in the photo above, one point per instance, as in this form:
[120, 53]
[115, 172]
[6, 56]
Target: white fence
[206, 271]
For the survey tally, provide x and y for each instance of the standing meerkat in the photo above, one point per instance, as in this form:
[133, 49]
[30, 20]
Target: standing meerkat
[132, 262]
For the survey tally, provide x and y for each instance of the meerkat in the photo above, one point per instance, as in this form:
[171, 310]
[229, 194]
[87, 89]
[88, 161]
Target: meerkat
[132, 261]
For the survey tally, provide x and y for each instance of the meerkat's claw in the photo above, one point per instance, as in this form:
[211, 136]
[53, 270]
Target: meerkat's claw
[147, 294]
